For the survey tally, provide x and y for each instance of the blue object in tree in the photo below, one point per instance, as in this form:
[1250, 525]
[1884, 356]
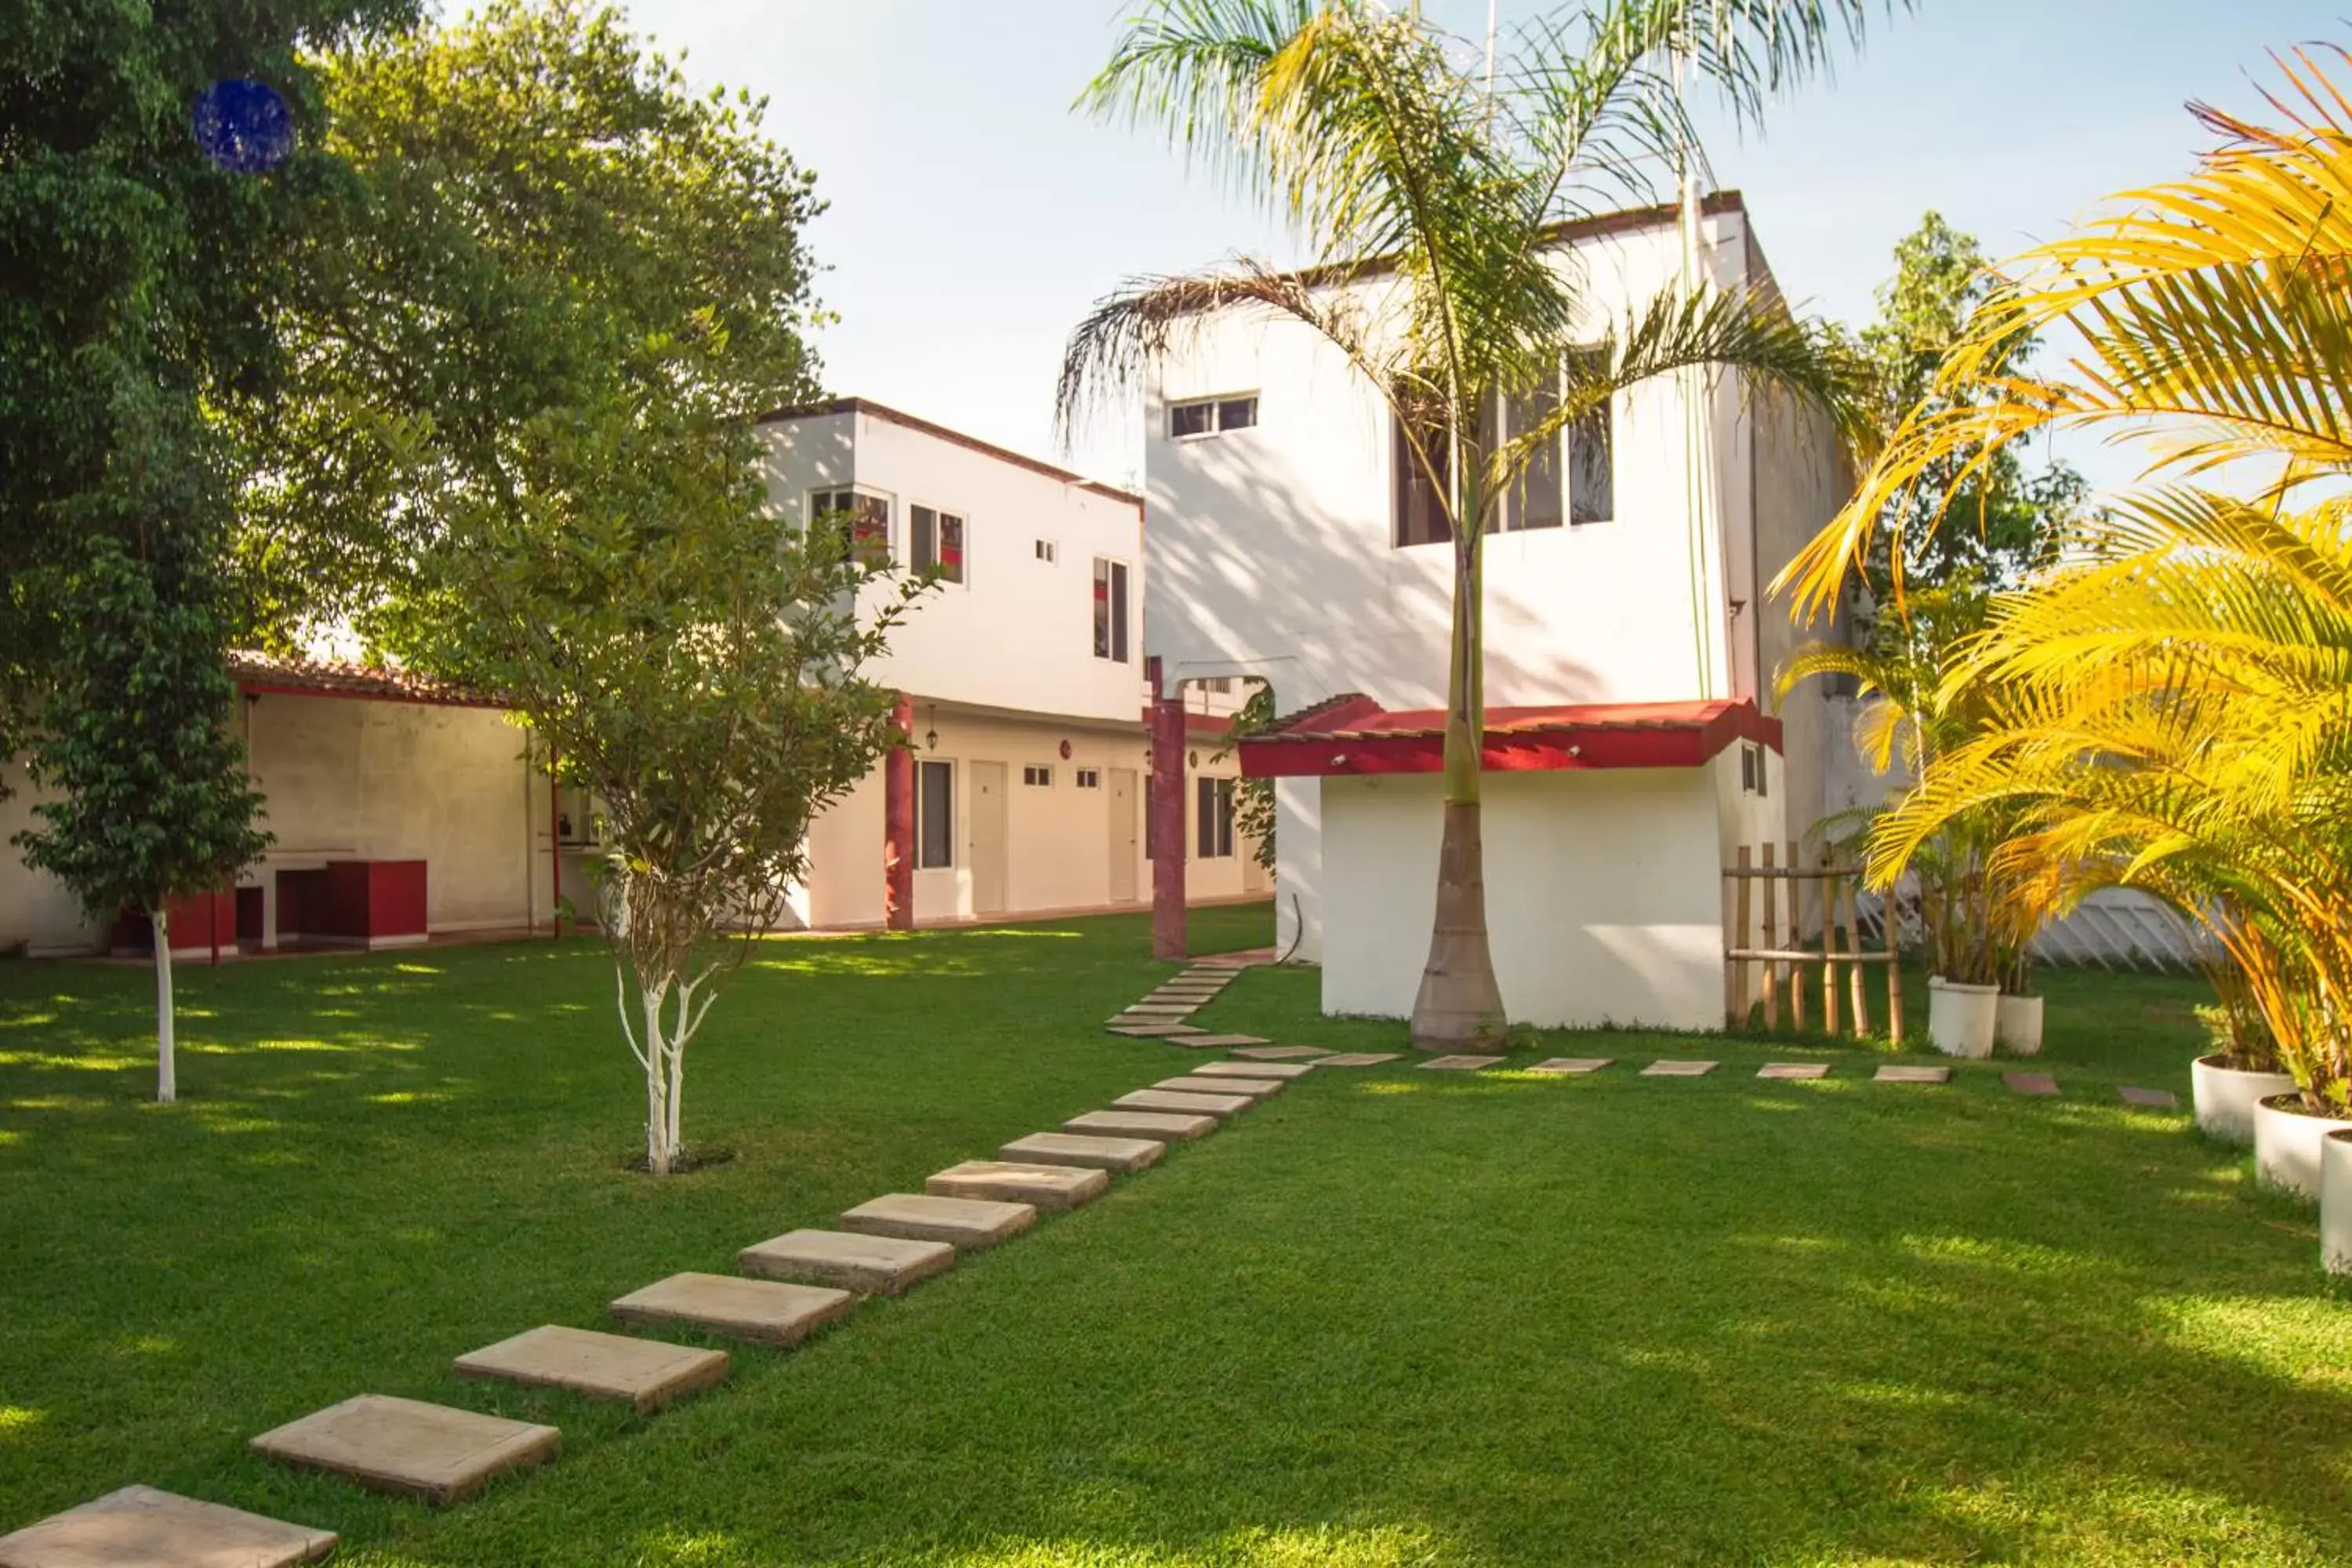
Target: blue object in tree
[244, 126]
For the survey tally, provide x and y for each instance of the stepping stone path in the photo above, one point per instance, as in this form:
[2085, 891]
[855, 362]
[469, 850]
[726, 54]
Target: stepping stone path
[1140, 1124]
[1892, 1074]
[1164, 1015]
[1793, 1070]
[2150, 1098]
[1360, 1059]
[647, 1372]
[1670, 1068]
[1125, 1155]
[2031, 1082]
[407, 1446]
[847, 1260]
[140, 1527]
[1049, 1189]
[1258, 1069]
[766, 1311]
[1249, 1087]
[1565, 1065]
[967, 1223]
[1217, 1105]
[1213, 1042]
[1458, 1063]
[1282, 1053]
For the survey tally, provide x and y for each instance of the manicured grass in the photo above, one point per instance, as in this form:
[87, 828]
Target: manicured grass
[1388, 1318]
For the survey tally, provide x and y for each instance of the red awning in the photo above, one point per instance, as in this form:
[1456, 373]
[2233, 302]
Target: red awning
[1354, 734]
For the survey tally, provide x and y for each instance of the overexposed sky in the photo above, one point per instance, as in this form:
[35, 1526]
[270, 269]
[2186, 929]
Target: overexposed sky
[973, 217]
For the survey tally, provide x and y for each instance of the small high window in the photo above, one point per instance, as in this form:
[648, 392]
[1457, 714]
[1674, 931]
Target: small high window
[864, 517]
[1111, 610]
[1048, 552]
[937, 541]
[1040, 778]
[934, 815]
[1090, 778]
[1211, 415]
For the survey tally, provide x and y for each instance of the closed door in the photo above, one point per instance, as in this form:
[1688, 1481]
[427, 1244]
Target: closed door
[1124, 850]
[987, 839]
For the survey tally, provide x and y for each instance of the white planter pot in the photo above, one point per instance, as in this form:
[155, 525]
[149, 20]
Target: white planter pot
[2288, 1144]
[2225, 1098]
[1960, 1018]
[2016, 1024]
[2336, 1202]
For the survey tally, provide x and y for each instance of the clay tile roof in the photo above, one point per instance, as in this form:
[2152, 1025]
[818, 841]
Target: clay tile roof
[270, 673]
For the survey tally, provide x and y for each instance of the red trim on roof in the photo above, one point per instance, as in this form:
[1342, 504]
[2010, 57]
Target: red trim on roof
[262, 674]
[874, 410]
[1354, 734]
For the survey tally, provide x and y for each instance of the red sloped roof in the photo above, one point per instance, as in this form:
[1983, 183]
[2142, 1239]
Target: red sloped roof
[264, 674]
[1353, 734]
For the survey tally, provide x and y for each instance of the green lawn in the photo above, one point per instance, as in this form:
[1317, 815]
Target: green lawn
[1389, 1317]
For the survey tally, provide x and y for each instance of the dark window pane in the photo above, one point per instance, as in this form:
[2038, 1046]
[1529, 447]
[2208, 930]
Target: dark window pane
[1535, 499]
[951, 547]
[1236, 413]
[922, 524]
[1119, 612]
[1591, 468]
[1190, 418]
[935, 814]
[1102, 609]
[1420, 514]
[1204, 818]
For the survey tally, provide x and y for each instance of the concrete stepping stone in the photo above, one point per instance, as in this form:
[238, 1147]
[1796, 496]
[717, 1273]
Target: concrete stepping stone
[765, 1312]
[1458, 1063]
[1125, 1155]
[1162, 1015]
[410, 1447]
[140, 1527]
[1258, 1069]
[1140, 1124]
[2030, 1082]
[1217, 1105]
[1281, 1053]
[1793, 1070]
[847, 1260]
[1570, 1065]
[648, 1374]
[1896, 1074]
[1048, 1189]
[1211, 1042]
[1667, 1066]
[1178, 998]
[965, 1224]
[1250, 1087]
[2151, 1099]
[1360, 1059]
[1154, 1031]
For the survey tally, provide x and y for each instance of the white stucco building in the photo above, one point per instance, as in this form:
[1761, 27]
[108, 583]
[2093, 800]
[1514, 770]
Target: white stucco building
[1633, 741]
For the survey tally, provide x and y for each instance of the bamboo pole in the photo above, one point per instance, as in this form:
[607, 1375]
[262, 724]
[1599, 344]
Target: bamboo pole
[1771, 940]
[1856, 995]
[1894, 974]
[1738, 1019]
[1829, 953]
[1795, 939]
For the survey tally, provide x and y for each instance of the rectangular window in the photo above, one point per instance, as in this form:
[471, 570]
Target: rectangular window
[1218, 683]
[1042, 778]
[1591, 468]
[1570, 480]
[1535, 499]
[1753, 778]
[1111, 610]
[934, 815]
[937, 541]
[1201, 416]
[1214, 818]
[1090, 778]
[1419, 507]
[864, 517]
[1047, 552]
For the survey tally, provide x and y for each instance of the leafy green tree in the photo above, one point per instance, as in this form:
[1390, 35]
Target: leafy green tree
[1254, 811]
[154, 802]
[1393, 150]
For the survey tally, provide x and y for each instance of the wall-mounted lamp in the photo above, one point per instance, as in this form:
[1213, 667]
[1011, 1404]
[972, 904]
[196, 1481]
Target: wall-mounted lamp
[931, 735]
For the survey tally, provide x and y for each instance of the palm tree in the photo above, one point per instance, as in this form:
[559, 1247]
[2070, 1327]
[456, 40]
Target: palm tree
[1393, 148]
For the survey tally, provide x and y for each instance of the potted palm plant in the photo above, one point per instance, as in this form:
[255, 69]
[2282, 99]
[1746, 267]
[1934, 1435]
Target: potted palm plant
[2017, 1011]
[1956, 904]
[2243, 1069]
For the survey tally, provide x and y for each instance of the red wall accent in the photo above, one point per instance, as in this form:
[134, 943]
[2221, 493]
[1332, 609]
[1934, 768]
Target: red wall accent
[898, 823]
[372, 898]
[1165, 801]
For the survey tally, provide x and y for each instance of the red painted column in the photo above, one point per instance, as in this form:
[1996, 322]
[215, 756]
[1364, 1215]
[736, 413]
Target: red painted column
[899, 822]
[1165, 801]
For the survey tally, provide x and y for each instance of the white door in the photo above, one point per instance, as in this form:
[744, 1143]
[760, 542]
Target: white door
[1125, 852]
[987, 837]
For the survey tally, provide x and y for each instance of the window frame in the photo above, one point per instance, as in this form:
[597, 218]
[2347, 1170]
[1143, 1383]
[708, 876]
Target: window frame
[923, 861]
[1088, 778]
[963, 579]
[1115, 615]
[1406, 482]
[890, 510]
[1213, 818]
[1216, 405]
[1037, 776]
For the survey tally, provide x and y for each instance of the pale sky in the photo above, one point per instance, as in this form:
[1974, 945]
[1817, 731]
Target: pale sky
[975, 218]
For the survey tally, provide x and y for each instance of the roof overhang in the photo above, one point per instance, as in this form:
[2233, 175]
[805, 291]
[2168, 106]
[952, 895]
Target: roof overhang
[267, 675]
[1354, 735]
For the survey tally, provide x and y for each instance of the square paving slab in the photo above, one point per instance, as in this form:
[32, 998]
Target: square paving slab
[1213, 1042]
[1049, 1189]
[1458, 1063]
[846, 1260]
[1793, 1070]
[2031, 1082]
[1281, 1053]
[1669, 1067]
[1259, 1070]
[1360, 1059]
[1183, 1104]
[1250, 1087]
[1154, 1031]
[962, 1222]
[647, 1372]
[140, 1527]
[1123, 1155]
[1574, 1064]
[1140, 1124]
[1176, 999]
[1893, 1074]
[766, 1311]
[2153, 1098]
[405, 1446]
[1156, 1015]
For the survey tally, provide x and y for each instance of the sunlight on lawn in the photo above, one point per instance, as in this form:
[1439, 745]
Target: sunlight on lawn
[2298, 1341]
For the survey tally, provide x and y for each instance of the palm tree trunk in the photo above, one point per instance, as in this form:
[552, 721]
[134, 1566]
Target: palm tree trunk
[1459, 1004]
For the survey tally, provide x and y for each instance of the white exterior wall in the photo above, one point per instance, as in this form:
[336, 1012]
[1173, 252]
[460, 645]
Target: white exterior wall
[36, 910]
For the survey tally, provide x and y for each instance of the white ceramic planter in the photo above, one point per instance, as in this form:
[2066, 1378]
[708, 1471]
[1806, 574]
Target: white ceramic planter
[1960, 1018]
[2225, 1098]
[2016, 1024]
[2336, 1202]
[2288, 1144]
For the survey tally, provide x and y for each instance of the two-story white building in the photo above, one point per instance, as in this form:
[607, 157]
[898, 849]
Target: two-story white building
[1632, 739]
[1020, 675]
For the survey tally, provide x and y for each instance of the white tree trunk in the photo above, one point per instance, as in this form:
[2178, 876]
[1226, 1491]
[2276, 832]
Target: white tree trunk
[661, 1119]
[167, 1086]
